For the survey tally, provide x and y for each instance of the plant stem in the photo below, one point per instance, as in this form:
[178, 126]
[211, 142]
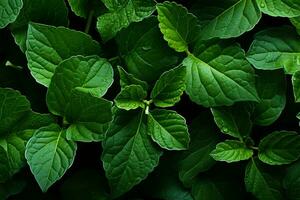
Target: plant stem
[113, 58]
[254, 148]
[89, 21]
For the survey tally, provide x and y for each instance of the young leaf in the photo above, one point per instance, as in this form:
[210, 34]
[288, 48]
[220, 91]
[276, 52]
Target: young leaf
[178, 26]
[219, 75]
[89, 117]
[168, 129]
[83, 8]
[169, 87]
[228, 19]
[129, 155]
[271, 88]
[121, 14]
[276, 48]
[146, 53]
[131, 97]
[280, 147]
[49, 155]
[235, 120]
[127, 79]
[261, 184]
[90, 74]
[9, 11]
[47, 46]
[231, 151]
[280, 8]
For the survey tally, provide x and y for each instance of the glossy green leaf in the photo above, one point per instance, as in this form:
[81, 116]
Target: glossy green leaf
[131, 97]
[281, 147]
[121, 14]
[276, 48]
[49, 155]
[146, 54]
[90, 74]
[168, 129]
[231, 151]
[280, 8]
[9, 11]
[47, 46]
[219, 75]
[84, 8]
[127, 79]
[169, 87]
[178, 26]
[89, 117]
[129, 155]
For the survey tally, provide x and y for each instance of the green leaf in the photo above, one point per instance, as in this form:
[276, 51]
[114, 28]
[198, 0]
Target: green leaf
[90, 74]
[178, 26]
[271, 88]
[47, 46]
[231, 151]
[146, 54]
[291, 181]
[52, 12]
[296, 22]
[131, 97]
[129, 155]
[49, 155]
[89, 117]
[9, 11]
[261, 184]
[169, 87]
[121, 14]
[296, 85]
[235, 120]
[83, 8]
[280, 8]
[168, 129]
[13, 107]
[219, 75]
[280, 147]
[127, 79]
[228, 19]
[276, 48]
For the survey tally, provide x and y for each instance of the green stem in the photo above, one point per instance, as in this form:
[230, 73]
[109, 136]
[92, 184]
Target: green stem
[114, 58]
[89, 21]
[254, 148]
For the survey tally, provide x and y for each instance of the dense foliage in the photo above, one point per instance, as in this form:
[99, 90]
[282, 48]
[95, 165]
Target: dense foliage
[139, 99]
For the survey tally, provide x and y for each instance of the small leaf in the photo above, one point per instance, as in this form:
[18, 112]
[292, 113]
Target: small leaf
[168, 129]
[131, 97]
[231, 151]
[49, 155]
[169, 87]
[178, 26]
[127, 79]
[9, 10]
[280, 147]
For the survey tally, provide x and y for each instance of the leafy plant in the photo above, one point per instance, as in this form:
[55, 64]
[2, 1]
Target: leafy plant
[132, 99]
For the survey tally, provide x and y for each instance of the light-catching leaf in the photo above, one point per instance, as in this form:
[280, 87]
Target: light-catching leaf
[281, 147]
[276, 48]
[47, 46]
[280, 8]
[129, 155]
[9, 11]
[49, 155]
[168, 129]
[231, 151]
[178, 26]
[169, 87]
[90, 74]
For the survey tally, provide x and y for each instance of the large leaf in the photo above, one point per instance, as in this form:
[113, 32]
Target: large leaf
[90, 74]
[129, 155]
[52, 12]
[9, 10]
[261, 184]
[168, 129]
[146, 53]
[280, 147]
[271, 88]
[291, 181]
[121, 14]
[47, 46]
[227, 19]
[219, 74]
[89, 117]
[169, 87]
[178, 26]
[276, 48]
[280, 8]
[231, 151]
[49, 155]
